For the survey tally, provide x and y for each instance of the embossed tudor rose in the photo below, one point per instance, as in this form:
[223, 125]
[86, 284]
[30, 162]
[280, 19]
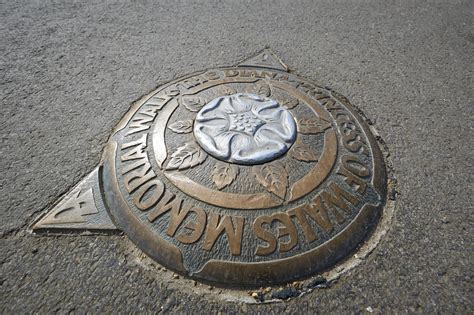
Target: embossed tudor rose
[245, 175]
[244, 128]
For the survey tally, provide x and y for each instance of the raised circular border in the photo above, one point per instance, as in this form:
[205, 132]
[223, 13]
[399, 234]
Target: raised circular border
[236, 273]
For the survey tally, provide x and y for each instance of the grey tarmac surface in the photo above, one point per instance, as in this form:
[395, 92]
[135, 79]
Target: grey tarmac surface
[70, 70]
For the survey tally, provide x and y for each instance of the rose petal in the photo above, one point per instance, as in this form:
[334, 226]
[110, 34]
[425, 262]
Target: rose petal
[225, 105]
[223, 145]
[241, 145]
[265, 110]
[215, 108]
[241, 102]
[287, 125]
[275, 131]
[266, 142]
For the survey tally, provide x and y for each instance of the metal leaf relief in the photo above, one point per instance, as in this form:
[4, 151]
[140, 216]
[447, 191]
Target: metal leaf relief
[193, 103]
[189, 155]
[263, 89]
[273, 177]
[182, 126]
[227, 90]
[313, 125]
[302, 152]
[290, 104]
[224, 174]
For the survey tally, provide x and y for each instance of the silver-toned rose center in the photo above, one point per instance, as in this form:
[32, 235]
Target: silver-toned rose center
[244, 128]
[245, 122]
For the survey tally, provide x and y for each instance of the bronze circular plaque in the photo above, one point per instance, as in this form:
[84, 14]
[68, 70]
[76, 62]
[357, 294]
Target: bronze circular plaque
[244, 176]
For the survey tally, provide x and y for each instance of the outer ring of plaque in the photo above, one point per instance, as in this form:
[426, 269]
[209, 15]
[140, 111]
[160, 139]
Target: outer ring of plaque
[253, 274]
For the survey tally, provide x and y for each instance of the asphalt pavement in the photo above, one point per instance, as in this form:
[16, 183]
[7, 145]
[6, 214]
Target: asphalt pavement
[69, 70]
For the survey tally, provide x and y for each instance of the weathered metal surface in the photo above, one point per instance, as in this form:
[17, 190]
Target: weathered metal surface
[243, 176]
[244, 211]
[80, 209]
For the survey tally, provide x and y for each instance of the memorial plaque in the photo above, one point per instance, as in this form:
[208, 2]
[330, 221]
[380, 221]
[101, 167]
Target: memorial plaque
[245, 176]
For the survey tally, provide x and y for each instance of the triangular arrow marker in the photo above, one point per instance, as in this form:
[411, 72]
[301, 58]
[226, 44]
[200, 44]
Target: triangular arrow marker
[266, 59]
[78, 210]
